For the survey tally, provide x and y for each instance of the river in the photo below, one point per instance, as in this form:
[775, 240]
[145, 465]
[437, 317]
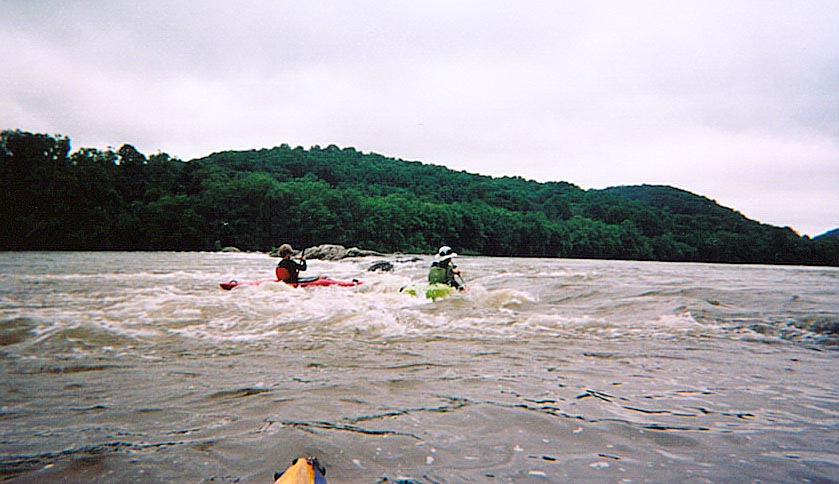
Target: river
[137, 367]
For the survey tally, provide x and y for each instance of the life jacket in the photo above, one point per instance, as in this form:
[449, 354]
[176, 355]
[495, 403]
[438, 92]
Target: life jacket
[437, 275]
[282, 274]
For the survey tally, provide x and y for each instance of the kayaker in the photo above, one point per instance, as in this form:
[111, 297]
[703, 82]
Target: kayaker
[443, 270]
[288, 268]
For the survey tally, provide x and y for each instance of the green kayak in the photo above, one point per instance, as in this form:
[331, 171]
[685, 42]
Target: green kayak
[431, 291]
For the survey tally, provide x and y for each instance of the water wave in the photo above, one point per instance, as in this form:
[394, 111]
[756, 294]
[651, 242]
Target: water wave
[139, 303]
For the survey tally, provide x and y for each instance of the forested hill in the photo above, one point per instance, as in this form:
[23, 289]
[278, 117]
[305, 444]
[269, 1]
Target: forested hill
[88, 199]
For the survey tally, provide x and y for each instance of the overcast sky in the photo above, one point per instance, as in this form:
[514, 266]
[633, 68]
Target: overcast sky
[734, 100]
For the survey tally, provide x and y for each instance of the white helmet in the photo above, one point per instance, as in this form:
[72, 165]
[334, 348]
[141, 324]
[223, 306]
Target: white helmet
[446, 252]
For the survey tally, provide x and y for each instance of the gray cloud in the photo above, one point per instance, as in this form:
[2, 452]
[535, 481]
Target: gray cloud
[736, 101]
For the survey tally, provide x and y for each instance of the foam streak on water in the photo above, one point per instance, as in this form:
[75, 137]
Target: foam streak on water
[136, 366]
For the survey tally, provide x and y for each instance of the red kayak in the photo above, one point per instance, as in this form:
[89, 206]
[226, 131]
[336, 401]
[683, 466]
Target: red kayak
[306, 282]
[320, 281]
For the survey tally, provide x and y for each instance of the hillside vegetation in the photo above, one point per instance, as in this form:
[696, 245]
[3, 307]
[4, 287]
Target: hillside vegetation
[88, 199]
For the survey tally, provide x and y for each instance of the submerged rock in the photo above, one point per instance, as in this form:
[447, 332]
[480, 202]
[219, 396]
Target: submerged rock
[382, 265]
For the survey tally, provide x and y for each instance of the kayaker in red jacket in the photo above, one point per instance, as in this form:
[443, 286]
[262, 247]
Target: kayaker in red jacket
[288, 269]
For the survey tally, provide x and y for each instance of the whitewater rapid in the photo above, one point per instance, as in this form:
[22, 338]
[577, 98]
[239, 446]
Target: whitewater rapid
[136, 366]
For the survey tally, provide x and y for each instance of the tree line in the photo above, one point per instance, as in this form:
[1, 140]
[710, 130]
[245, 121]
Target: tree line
[90, 199]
